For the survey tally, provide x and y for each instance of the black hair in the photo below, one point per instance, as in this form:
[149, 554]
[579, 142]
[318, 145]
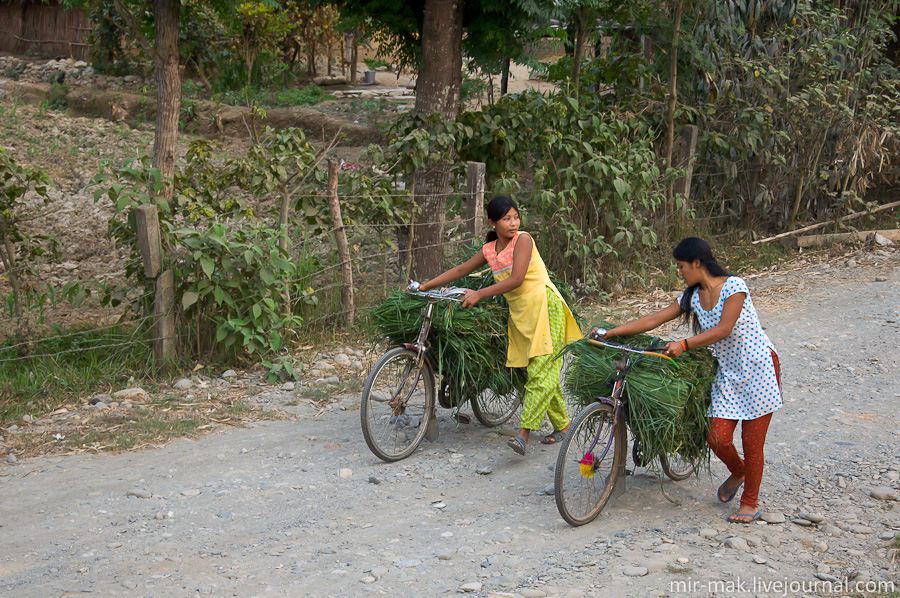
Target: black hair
[497, 208]
[690, 249]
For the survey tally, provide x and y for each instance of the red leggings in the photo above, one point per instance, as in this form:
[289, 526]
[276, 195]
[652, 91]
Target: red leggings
[753, 437]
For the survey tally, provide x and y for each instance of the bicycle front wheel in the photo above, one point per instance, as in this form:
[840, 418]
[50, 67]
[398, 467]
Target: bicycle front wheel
[492, 409]
[676, 467]
[589, 461]
[397, 403]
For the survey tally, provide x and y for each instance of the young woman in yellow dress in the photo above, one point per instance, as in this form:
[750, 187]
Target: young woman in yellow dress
[540, 322]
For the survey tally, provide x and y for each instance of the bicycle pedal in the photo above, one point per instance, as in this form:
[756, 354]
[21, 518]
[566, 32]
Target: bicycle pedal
[462, 418]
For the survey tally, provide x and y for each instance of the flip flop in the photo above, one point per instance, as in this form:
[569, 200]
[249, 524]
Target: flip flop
[738, 518]
[554, 438]
[724, 495]
[516, 444]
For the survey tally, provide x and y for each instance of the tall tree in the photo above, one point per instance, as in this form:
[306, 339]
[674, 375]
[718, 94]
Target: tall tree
[167, 65]
[437, 91]
[158, 38]
[430, 35]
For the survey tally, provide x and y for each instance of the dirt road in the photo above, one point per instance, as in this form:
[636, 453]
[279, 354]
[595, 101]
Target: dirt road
[302, 508]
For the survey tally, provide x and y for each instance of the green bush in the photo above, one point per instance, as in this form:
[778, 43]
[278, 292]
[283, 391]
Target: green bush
[303, 96]
[233, 283]
[374, 63]
[587, 182]
[238, 293]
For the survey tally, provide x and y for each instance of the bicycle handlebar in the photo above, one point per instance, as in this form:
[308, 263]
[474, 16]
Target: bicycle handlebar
[598, 340]
[442, 294]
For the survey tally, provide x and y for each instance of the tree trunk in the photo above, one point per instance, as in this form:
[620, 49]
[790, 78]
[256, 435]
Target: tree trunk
[673, 99]
[168, 90]
[329, 55]
[8, 258]
[504, 77]
[311, 60]
[354, 56]
[437, 91]
[579, 48]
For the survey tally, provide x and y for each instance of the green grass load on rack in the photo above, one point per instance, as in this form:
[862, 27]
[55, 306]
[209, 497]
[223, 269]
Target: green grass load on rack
[469, 345]
[667, 400]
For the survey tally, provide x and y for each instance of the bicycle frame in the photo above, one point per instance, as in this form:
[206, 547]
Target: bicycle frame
[616, 400]
[421, 345]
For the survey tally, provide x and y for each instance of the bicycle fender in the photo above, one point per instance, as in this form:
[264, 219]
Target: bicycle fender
[606, 401]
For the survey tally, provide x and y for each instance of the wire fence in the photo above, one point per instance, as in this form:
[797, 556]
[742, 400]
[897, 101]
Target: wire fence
[45, 316]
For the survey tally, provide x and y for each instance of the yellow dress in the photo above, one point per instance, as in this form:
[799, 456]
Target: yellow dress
[529, 318]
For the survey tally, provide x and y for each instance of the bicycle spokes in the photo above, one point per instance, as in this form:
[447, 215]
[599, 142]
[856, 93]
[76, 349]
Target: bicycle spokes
[398, 405]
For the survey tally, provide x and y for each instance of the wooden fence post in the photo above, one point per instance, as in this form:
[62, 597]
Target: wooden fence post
[340, 236]
[164, 318]
[683, 157]
[475, 215]
[146, 219]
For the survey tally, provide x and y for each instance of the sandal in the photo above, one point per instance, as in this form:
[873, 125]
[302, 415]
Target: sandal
[743, 517]
[725, 495]
[516, 444]
[554, 438]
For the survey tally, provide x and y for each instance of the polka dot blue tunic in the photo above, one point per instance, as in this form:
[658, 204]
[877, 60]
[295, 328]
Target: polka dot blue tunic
[745, 386]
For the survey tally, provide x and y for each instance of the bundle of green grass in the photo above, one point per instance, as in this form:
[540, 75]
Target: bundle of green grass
[667, 400]
[469, 345]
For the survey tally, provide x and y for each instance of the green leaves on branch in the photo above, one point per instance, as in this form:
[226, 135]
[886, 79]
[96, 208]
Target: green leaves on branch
[591, 178]
[238, 291]
[17, 248]
[234, 281]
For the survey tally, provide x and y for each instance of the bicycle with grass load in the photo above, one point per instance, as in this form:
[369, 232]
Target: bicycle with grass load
[397, 411]
[590, 465]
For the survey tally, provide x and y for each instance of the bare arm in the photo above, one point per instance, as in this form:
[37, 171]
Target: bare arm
[647, 322]
[453, 274]
[731, 311]
[521, 258]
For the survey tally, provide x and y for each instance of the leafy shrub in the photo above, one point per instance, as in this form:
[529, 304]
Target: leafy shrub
[17, 248]
[374, 63]
[56, 99]
[588, 181]
[232, 283]
[238, 291]
[303, 96]
[799, 120]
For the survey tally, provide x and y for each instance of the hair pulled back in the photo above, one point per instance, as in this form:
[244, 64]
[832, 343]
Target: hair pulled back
[690, 249]
[497, 208]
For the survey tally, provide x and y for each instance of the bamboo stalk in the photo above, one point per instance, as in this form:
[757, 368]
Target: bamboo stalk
[822, 224]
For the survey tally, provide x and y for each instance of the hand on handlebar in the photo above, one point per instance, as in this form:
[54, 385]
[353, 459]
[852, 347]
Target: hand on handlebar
[674, 348]
[471, 298]
[599, 334]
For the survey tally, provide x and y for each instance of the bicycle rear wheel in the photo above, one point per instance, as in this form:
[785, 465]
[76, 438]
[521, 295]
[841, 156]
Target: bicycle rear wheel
[397, 403]
[492, 409]
[676, 467]
[589, 461]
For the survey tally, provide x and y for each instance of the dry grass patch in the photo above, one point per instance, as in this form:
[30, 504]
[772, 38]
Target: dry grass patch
[156, 423]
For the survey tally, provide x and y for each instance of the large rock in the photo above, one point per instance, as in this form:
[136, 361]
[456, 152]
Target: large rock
[326, 81]
[883, 493]
[130, 394]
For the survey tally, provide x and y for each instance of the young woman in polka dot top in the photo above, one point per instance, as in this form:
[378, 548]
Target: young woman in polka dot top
[747, 387]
